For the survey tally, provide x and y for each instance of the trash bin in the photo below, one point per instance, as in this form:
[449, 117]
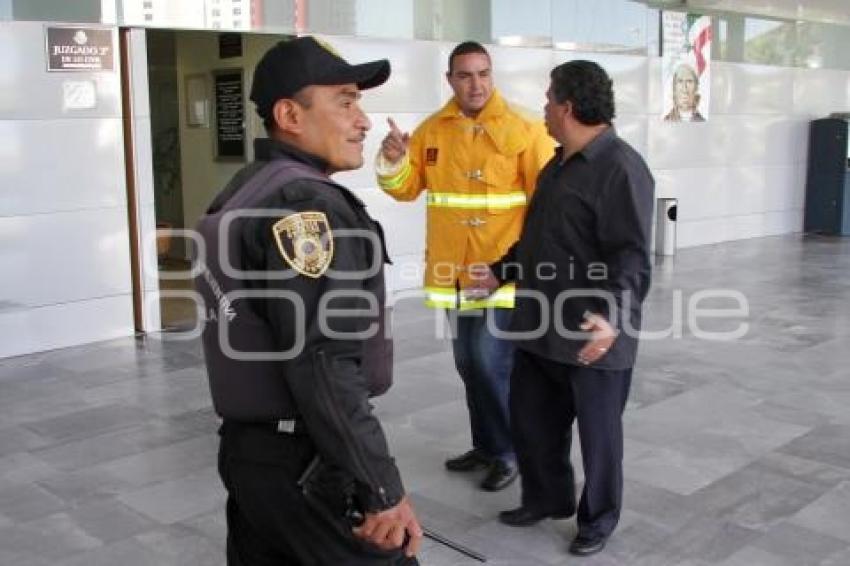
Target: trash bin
[665, 227]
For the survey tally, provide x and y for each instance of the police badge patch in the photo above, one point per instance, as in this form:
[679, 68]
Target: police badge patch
[305, 242]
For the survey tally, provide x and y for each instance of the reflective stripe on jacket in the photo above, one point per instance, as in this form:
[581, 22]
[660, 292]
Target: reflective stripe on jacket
[479, 174]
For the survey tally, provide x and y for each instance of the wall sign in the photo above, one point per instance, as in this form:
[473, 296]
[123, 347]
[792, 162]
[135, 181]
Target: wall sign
[229, 115]
[229, 45]
[79, 49]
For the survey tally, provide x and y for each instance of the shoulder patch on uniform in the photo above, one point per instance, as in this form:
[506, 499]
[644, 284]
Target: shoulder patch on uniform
[305, 242]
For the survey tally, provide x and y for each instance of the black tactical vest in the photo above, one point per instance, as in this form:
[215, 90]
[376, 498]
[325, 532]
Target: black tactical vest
[255, 389]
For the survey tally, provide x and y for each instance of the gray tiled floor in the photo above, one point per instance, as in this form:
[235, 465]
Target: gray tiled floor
[737, 453]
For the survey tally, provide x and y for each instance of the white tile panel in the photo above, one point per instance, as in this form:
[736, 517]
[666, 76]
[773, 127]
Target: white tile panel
[730, 191]
[667, 183]
[688, 144]
[62, 257]
[818, 92]
[724, 229]
[56, 165]
[782, 188]
[520, 74]
[143, 160]
[702, 232]
[629, 73]
[403, 222]
[28, 91]
[151, 311]
[139, 73]
[634, 129]
[751, 89]
[788, 221]
[800, 132]
[701, 192]
[800, 173]
[64, 325]
[727, 140]
[415, 79]
[654, 88]
[765, 224]
[405, 273]
[147, 248]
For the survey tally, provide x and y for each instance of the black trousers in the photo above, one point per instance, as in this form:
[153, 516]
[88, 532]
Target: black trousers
[546, 397]
[270, 520]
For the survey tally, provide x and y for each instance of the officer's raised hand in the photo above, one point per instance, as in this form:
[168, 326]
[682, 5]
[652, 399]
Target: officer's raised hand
[389, 528]
[394, 146]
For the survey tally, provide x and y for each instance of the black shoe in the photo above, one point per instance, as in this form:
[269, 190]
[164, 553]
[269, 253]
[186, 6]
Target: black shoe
[501, 475]
[468, 462]
[526, 516]
[585, 546]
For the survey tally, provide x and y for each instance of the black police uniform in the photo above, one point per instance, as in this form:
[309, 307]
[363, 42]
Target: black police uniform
[300, 448]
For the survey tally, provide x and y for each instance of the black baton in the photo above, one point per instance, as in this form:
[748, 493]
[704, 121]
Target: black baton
[356, 517]
[457, 547]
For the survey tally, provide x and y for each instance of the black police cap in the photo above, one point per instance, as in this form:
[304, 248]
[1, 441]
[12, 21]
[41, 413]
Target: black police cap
[294, 64]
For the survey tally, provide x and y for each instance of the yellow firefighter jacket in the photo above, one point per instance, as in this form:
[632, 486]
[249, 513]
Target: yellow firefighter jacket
[479, 174]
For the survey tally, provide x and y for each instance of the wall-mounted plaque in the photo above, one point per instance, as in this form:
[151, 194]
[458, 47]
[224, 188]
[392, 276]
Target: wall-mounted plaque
[79, 49]
[229, 45]
[229, 115]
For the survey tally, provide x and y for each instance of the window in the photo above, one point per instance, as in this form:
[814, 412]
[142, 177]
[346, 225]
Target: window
[785, 43]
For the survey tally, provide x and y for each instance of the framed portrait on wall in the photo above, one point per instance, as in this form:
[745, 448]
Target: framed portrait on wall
[685, 67]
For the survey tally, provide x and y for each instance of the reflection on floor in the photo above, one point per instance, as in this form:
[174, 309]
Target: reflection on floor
[737, 452]
[176, 312]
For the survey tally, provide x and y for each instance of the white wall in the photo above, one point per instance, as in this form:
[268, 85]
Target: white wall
[64, 248]
[740, 175]
[63, 216]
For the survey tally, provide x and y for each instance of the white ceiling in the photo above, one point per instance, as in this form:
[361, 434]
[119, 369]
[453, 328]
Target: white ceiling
[828, 11]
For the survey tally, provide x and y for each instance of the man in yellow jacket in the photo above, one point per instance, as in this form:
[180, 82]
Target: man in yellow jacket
[478, 158]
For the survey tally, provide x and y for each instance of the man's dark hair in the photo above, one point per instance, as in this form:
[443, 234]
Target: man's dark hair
[301, 97]
[587, 86]
[464, 49]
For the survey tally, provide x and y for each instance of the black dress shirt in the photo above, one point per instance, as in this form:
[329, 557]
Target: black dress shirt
[584, 248]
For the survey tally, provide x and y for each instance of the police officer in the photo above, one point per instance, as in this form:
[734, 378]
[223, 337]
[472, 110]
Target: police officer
[291, 272]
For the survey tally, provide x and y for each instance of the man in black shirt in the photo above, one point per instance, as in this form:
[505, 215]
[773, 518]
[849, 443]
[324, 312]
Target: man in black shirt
[291, 272]
[582, 270]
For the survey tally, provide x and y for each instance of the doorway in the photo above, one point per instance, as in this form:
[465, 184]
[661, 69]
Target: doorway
[172, 253]
[202, 131]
